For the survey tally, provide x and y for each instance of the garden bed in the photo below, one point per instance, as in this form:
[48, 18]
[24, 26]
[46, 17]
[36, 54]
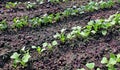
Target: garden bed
[71, 55]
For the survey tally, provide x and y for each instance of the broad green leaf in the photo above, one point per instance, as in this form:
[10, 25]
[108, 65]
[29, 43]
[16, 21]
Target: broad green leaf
[104, 60]
[54, 43]
[98, 68]
[91, 22]
[118, 58]
[34, 47]
[26, 57]
[104, 32]
[84, 34]
[15, 56]
[112, 56]
[23, 49]
[39, 49]
[45, 44]
[81, 69]
[57, 35]
[112, 61]
[63, 30]
[90, 65]
[49, 46]
[93, 31]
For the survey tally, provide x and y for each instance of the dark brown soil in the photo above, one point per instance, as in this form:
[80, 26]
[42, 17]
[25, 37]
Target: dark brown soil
[69, 56]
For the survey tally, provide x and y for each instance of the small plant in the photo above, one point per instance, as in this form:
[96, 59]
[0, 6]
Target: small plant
[110, 3]
[3, 25]
[38, 48]
[67, 12]
[57, 17]
[90, 66]
[56, 1]
[20, 22]
[91, 6]
[75, 32]
[107, 4]
[110, 63]
[36, 22]
[11, 5]
[47, 19]
[61, 35]
[40, 1]
[49, 45]
[30, 5]
[20, 58]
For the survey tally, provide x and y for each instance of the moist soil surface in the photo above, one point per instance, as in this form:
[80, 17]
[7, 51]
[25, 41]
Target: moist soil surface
[68, 56]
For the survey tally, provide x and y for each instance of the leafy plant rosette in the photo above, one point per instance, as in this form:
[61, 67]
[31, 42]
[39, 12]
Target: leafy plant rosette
[21, 58]
[112, 61]
[3, 25]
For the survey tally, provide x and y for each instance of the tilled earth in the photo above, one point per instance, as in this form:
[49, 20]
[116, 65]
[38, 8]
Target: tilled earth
[69, 56]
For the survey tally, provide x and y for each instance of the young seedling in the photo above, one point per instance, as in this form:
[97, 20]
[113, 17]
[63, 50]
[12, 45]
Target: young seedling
[61, 35]
[3, 25]
[49, 45]
[91, 6]
[75, 32]
[47, 19]
[20, 58]
[110, 63]
[20, 22]
[36, 22]
[30, 5]
[38, 48]
[81, 69]
[11, 5]
[40, 1]
[90, 66]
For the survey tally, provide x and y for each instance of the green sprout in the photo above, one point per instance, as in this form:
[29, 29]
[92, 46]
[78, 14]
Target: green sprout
[61, 35]
[20, 22]
[3, 25]
[111, 62]
[20, 58]
[49, 45]
[11, 5]
[38, 48]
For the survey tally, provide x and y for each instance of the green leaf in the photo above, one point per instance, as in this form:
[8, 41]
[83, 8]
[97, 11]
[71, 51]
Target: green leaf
[81, 69]
[57, 35]
[93, 31]
[112, 61]
[23, 49]
[104, 60]
[112, 56]
[104, 32]
[50, 46]
[39, 49]
[34, 47]
[15, 56]
[26, 57]
[90, 65]
[63, 30]
[54, 43]
[85, 34]
[45, 44]
[118, 58]
[98, 68]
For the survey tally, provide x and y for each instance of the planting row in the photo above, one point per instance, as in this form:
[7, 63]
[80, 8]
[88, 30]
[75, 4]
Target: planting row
[46, 19]
[110, 63]
[30, 5]
[98, 27]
